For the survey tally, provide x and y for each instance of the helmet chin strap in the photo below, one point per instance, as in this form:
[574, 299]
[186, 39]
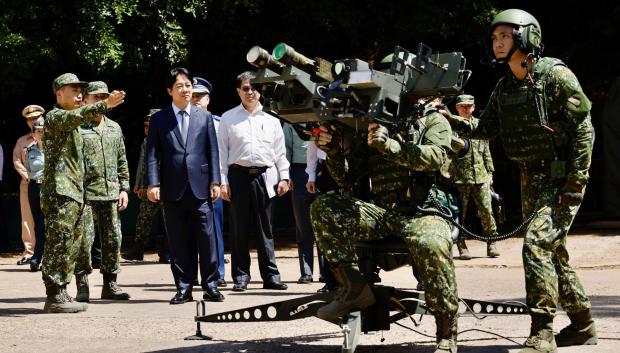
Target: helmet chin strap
[506, 59]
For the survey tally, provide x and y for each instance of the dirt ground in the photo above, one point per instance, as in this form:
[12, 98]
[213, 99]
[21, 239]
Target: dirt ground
[147, 323]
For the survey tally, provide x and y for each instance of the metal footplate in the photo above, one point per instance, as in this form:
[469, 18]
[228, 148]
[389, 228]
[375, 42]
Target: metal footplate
[413, 302]
[391, 305]
[286, 310]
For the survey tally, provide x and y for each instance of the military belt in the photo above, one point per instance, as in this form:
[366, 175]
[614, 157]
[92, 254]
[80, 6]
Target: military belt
[249, 170]
[36, 181]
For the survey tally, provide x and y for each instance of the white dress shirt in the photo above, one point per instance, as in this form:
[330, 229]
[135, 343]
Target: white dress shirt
[312, 159]
[176, 110]
[253, 140]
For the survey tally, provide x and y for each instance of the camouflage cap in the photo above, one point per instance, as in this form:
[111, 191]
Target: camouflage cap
[38, 124]
[97, 87]
[464, 99]
[147, 118]
[33, 111]
[67, 79]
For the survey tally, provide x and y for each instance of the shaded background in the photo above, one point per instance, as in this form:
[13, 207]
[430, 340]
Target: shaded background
[132, 44]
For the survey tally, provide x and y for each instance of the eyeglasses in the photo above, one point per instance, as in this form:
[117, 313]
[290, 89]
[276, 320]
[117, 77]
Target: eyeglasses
[247, 89]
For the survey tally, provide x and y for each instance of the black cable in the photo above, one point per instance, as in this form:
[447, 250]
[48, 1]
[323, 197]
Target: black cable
[459, 333]
[491, 333]
[445, 213]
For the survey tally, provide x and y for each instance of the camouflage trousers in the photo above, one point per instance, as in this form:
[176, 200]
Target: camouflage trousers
[101, 217]
[340, 221]
[146, 211]
[481, 193]
[549, 279]
[64, 228]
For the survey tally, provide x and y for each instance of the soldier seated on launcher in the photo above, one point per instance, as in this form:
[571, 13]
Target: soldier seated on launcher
[388, 159]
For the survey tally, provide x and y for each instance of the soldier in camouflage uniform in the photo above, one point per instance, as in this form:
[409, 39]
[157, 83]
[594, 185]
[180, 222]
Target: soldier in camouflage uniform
[543, 118]
[390, 163]
[106, 184]
[62, 192]
[147, 211]
[473, 175]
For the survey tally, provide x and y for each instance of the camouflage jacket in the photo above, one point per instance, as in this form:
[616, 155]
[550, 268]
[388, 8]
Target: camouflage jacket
[476, 166]
[406, 173]
[63, 149]
[568, 111]
[105, 161]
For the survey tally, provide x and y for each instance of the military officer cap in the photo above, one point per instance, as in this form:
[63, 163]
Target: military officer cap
[33, 111]
[38, 124]
[97, 87]
[465, 99]
[201, 85]
[67, 79]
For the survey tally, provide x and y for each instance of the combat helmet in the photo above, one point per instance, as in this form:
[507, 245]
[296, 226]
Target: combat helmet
[527, 34]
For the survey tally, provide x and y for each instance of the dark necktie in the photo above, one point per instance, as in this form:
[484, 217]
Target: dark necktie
[184, 124]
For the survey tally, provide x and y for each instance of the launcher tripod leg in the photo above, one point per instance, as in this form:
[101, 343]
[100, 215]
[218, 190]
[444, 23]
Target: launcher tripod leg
[351, 328]
[200, 311]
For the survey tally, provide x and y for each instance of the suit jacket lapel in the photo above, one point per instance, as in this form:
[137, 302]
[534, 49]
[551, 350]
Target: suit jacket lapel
[192, 128]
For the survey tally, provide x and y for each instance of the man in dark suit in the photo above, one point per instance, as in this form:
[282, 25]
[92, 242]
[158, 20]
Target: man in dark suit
[183, 171]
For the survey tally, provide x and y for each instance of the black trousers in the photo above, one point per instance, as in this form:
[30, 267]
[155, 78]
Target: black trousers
[191, 233]
[249, 200]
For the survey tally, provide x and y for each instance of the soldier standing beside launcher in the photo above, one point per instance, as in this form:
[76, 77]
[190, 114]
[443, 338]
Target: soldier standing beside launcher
[62, 194]
[339, 221]
[543, 118]
[473, 175]
[106, 183]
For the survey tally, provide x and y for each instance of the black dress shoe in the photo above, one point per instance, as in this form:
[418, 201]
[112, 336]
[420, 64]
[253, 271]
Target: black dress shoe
[23, 261]
[222, 283]
[327, 288]
[213, 294]
[240, 287]
[35, 266]
[182, 296]
[305, 279]
[275, 285]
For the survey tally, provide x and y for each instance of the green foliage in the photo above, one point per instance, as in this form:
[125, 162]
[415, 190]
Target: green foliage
[100, 35]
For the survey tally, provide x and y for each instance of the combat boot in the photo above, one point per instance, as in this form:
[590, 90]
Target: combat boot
[353, 294]
[83, 292]
[541, 338]
[581, 331]
[111, 290]
[446, 334]
[463, 250]
[492, 249]
[59, 301]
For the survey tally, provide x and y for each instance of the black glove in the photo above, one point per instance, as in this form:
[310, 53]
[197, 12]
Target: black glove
[571, 194]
